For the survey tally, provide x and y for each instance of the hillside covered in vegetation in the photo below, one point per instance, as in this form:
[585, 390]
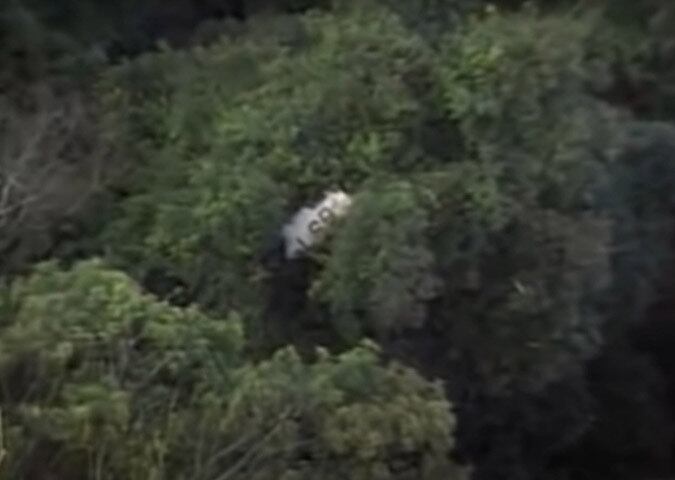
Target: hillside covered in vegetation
[496, 304]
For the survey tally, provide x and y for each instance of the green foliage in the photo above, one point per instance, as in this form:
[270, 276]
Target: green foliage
[502, 243]
[509, 294]
[432, 18]
[42, 40]
[90, 367]
[346, 97]
[344, 417]
[380, 266]
[90, 312]
[646, 75]
[519, 86]
[100, 381]
[498, 193]
[230, 138]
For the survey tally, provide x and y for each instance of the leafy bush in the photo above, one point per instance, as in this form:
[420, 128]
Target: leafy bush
[350, 96]
[519, 85]
[516, 233]
[380, 264]
[231, 138]
[344, 417]
[92, 370]
[98, 380]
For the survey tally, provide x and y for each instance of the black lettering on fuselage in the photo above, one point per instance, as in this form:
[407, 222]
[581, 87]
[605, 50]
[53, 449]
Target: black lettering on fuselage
[326, 214]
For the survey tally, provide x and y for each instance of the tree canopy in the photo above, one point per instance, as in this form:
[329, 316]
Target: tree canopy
[494, 304]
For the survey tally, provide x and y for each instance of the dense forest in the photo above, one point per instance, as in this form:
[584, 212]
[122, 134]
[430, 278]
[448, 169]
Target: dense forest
[494, 304]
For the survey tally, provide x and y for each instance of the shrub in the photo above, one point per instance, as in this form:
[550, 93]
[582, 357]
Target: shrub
[98, 380]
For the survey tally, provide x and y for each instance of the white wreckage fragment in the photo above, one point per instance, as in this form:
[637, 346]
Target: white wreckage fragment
[308, 226]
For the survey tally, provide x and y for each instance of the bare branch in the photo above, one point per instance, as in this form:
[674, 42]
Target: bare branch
[51, 163]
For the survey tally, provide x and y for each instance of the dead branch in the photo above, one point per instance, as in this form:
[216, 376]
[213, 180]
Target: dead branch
[51, 162]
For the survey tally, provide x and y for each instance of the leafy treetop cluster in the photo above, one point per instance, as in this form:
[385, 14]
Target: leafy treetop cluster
[510, 235]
